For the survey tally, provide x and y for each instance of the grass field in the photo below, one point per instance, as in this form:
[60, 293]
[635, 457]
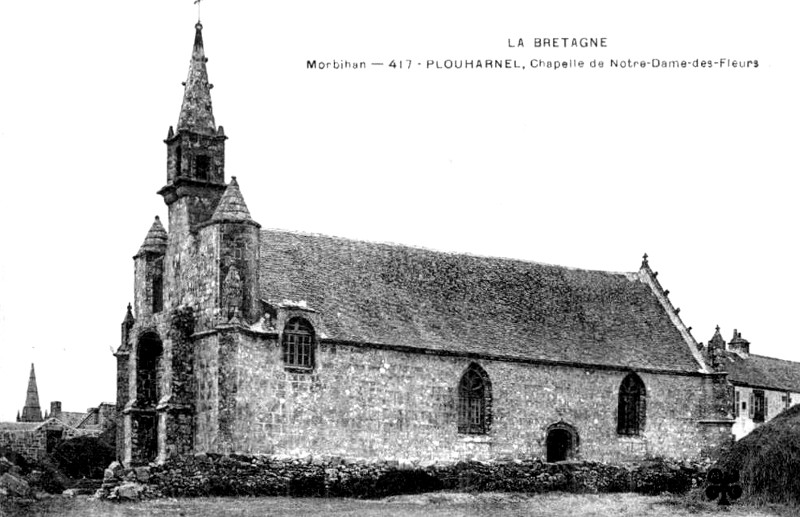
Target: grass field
[439, 504]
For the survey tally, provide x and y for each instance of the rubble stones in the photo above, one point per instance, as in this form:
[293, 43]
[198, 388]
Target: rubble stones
[15, 485]
[142, 474]
[128, 491]
[238, 475]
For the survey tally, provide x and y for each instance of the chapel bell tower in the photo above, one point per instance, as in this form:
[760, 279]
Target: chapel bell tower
[196, 151]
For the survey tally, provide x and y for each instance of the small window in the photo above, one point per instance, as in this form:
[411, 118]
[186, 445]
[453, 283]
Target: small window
[158, 285]
[736, 404]
[178, 161]
[474, 395]
[202, 164]
[632, 407]
[298, 344]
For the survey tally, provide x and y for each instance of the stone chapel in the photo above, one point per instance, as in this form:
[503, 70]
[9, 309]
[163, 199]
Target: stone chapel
[243, 339]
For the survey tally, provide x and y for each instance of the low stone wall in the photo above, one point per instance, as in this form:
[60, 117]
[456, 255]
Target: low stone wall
[232, 475]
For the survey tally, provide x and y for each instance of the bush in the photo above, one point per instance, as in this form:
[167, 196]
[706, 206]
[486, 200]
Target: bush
[768, 459]
[46, 476]
[15, 458]
[661, 476]
[84, 456]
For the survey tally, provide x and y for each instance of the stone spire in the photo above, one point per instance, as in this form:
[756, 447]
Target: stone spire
[232, 208]
[127, 325]
[32, 412]
[156, 239]
[196, 115]
[716, 345]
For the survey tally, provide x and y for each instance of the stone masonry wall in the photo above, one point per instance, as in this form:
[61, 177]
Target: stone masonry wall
[32, 443]
[123, 379]
[373, 403]
[239, 249]
[207, 390]
[191, 275]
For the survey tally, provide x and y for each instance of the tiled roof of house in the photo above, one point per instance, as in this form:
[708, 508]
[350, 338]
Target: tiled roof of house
[763, 372]
[71, 418]
[397, 295]
[19, 426]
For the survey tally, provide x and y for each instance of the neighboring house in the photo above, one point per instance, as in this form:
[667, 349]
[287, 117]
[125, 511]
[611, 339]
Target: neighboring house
[34, 436]
[763, 386]
[248, 340]
[36, 439]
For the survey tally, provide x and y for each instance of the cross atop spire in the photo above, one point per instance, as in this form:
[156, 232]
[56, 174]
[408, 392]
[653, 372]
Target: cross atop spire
[196, 114]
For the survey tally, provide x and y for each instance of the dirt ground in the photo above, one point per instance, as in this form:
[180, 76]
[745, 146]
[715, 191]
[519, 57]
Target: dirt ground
[437, 504]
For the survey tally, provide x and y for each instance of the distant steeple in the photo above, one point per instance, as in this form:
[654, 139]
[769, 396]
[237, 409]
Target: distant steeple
[196, 114]
[232, 208]
[32, 412]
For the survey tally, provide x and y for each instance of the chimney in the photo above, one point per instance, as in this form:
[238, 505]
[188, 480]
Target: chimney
[739, 345]
[55, 409]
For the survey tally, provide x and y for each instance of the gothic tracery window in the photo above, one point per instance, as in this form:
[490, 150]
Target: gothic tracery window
[632, 407]
[474, 401]
[298, 344]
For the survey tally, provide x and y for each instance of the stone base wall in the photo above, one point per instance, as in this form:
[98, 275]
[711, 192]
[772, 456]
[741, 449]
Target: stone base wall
[237, 475]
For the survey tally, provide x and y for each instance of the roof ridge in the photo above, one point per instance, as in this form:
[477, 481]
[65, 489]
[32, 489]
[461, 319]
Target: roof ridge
[773, 358]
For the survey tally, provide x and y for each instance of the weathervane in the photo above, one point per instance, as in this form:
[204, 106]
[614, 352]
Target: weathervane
[198, 10]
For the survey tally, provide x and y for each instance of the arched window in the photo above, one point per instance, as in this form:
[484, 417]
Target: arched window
[147, 370]
[632, 407]
[474, 401]
[298, 344]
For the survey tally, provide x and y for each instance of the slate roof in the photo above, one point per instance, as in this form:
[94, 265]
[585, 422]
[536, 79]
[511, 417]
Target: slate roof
[156, 239]
[19, 426]
[71, 418]
[231, 207]
[763, 372]
[397, 295]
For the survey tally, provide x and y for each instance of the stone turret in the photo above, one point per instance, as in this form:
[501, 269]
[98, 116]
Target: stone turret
[31, 412]
[238, 235]
[148, 296]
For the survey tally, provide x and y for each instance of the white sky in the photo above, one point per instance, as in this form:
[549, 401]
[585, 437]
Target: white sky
[583, 168]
